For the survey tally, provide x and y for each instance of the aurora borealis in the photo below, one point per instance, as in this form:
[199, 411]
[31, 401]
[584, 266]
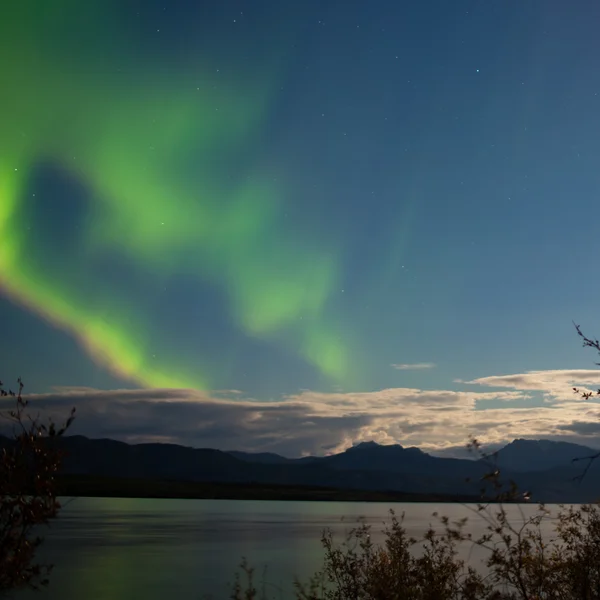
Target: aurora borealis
[148, 150]
[278, 197]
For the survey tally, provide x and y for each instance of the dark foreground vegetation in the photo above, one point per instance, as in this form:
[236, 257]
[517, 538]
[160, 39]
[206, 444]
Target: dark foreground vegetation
[115, 487]
[522, 563]
[28, 495]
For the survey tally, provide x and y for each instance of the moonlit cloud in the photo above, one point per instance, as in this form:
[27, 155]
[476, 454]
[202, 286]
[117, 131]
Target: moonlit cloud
[556, 385]
[414, 366]
[311, 422]
[584, 428]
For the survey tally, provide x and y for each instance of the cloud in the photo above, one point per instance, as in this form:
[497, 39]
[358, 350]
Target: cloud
[312, 422]
[556, 385]
[535, 404]
[584, 428]
[541, 380]
[414, 366]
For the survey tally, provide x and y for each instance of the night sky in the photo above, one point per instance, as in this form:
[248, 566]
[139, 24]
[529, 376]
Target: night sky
[294, 226]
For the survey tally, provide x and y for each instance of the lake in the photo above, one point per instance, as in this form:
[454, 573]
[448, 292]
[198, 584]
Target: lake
[124, 548]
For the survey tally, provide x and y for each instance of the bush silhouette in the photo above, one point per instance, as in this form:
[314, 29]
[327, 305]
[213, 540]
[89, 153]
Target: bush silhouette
[521, 563]
[28, 465]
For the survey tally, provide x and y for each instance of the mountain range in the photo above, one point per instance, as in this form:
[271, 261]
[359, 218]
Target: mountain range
[545, 469]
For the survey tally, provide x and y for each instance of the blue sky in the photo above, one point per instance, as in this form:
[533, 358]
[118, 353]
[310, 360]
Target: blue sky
[286, 200]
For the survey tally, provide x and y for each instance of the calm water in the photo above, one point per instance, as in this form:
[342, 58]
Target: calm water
[155, 549]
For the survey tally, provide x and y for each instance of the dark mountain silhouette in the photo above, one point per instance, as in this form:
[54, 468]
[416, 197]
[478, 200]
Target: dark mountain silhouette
[397, 459]
[366, 466]
[539, 455]
[266, 458]
[269, 458]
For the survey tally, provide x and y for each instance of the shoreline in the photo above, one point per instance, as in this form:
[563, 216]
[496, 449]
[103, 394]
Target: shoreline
[114, 487]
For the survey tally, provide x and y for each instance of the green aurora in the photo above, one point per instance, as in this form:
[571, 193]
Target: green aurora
[124, 131]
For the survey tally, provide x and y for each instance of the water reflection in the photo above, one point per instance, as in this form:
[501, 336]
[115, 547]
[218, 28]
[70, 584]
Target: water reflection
[120, 549]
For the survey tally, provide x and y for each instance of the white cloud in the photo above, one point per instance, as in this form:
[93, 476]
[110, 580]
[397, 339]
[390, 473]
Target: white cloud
[556, 385]
[414, 366]
[311, 422]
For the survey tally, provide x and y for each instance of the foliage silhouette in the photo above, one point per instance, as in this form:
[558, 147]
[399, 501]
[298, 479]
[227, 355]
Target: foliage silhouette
[28, 465]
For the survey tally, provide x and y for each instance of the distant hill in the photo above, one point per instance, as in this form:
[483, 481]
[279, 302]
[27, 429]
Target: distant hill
[542, 468]
[269, 458]
[265, 458]
[113, 487]
[539, 455]
[397, 459]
